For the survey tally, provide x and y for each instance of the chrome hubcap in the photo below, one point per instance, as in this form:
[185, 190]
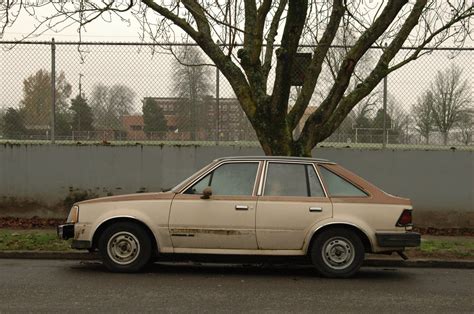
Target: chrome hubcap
[338, 253]
[123, 248]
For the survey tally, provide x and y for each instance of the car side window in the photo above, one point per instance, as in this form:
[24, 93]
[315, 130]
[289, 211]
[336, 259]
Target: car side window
[292, 180]
[337, 186]
[228, 179]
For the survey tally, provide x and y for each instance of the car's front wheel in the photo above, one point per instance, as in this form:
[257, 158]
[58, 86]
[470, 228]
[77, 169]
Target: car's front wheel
[337, 253]
[125, 247]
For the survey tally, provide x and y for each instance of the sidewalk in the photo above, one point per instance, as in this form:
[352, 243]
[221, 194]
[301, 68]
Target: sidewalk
[371, 260]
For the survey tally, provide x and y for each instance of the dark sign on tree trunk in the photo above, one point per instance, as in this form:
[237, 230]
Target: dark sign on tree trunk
[300, 64]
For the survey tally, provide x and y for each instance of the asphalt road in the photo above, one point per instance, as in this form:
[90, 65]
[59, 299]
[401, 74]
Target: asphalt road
[71, 286]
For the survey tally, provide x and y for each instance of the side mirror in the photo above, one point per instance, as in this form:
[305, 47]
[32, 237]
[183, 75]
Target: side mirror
[206, 193]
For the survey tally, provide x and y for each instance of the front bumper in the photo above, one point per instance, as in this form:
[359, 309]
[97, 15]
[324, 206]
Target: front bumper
[66, 232]
[407, 239]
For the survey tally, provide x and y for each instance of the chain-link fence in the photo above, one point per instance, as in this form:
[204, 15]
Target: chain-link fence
[124, 92]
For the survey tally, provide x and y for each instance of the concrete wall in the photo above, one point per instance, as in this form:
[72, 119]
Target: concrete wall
[440, 183]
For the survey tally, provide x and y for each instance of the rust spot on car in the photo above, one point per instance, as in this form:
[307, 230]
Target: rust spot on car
[180, 231]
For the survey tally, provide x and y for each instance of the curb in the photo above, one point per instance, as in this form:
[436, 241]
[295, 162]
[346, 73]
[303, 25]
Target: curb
[370, 262]
[82, 256]
[420, 263]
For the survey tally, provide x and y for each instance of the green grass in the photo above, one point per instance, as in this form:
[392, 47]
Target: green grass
[442, 247]
[32, 240]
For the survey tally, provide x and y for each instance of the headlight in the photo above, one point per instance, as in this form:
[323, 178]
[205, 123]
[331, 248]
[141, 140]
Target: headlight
[73, 216]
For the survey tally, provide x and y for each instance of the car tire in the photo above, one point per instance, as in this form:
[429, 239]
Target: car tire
[125, 247]
[337, 253]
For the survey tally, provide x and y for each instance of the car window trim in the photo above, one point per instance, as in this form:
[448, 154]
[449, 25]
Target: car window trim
[308, 188]
[263, 182]
[217, 165]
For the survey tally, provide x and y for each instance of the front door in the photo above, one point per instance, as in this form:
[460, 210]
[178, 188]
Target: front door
[293, 201]
[226, 220]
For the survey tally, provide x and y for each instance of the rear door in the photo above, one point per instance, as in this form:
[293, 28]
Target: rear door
[292, 201]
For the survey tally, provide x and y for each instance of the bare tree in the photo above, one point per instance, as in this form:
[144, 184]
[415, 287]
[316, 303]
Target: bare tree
[191, 79]
[423, 115]
[466, 127]
[110, 104]
[399, 121]
[242, 39]
[450, 98]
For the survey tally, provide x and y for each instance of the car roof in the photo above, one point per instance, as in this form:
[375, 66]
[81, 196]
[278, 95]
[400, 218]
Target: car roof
[277, 158]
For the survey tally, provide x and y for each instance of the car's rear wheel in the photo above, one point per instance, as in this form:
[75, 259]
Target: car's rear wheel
[337, 253]
[125, 247]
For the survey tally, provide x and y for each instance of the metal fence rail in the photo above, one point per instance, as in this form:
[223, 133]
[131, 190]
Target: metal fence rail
[136, 92]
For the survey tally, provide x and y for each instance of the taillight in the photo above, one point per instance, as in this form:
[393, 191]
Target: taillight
[405, 219]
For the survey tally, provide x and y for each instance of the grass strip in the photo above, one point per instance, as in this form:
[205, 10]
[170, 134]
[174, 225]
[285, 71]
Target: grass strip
[444, 247]
[438, 247]
[32, 240]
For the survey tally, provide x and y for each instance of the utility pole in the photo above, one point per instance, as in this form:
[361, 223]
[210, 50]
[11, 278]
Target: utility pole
[80, 84]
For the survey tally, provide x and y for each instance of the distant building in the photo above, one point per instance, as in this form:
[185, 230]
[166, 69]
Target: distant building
[133, 127]
[205, 122]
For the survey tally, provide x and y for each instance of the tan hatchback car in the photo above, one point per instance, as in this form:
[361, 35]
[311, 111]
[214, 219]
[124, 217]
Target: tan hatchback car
[249, 206]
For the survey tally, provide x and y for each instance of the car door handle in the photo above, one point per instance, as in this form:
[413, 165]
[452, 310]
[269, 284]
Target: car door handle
[315, 209]
[241, 207]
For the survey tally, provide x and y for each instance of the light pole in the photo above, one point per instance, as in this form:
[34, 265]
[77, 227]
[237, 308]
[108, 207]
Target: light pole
[80, 85]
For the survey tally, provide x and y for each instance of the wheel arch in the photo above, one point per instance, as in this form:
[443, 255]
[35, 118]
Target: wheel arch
[361, 233]
[106, 223]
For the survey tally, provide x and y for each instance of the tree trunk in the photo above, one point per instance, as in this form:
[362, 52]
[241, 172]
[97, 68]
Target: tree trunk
[276, 141]
[273, 132]
[445, 138]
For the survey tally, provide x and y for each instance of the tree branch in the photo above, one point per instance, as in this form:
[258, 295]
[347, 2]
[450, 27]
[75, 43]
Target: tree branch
[182, 23]
[231, 71]
[324, 113]
[296, 17]
[467, 14]
[372, 80]
[198, 14]
[313, 71]
[273, 31]
[259, 26]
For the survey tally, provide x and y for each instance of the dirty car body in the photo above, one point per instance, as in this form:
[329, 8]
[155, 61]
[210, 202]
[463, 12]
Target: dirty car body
[284, 206]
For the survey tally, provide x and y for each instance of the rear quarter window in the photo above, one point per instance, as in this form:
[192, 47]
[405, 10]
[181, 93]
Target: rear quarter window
[338, 186]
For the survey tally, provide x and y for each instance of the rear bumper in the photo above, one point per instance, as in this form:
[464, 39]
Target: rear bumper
[398, 239]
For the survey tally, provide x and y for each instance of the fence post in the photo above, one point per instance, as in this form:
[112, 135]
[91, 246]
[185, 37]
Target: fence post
[53, 90]
[218, 113]
[384, 133]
